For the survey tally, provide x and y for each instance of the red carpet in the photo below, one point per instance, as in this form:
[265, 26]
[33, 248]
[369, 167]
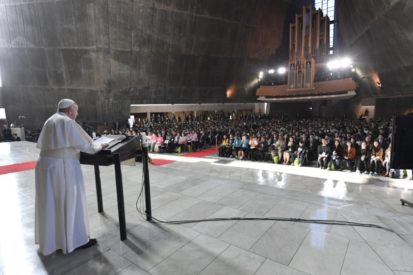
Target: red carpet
[202, 153]
[17, 167]
[159, 162]
[198, 154]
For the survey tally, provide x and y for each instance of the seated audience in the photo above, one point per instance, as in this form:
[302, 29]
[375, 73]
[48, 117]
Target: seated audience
[259, 137]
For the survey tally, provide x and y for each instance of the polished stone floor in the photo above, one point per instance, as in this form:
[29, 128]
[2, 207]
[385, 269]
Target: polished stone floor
[192, 188]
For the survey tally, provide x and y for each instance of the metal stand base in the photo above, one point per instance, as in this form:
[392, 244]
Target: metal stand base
[403, 201]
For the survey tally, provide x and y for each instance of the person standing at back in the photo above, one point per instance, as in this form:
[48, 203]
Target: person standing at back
[61, 219]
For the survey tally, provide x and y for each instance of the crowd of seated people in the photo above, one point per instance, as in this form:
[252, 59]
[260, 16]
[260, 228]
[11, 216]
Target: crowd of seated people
[8, 136]
[336, 144]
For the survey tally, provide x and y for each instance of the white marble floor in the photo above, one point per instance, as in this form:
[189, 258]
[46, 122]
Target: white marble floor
[209, 188]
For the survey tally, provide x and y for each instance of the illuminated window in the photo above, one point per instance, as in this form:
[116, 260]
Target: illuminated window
[328, 8]
[2, 113]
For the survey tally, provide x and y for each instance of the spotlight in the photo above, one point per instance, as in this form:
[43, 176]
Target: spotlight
[271, 71]
[281, 70]
[342, 63]
[261, 75]
[346, 62]
[333, 64]
[230, 93]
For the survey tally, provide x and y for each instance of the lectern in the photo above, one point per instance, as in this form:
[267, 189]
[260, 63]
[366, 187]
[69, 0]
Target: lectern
[122, 149]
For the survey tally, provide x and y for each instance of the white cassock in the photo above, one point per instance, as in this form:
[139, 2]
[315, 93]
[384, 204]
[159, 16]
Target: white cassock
[61, 213]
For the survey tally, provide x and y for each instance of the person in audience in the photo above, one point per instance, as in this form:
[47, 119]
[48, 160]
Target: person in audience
[386, 162]
[236, 145]
[16, 137]
[173, 142]
[7, 135]
[324, 152]
[181, 142]
[167, 142]
[300, 154]
[202, 140]
[253, 143]
[280, 147]
[243, 153]
[225, 148]
[188, 146]
[288, 153]
[376, 159]
[159, 143]
[363, 160]
[262, 147]
[350, 156]
[194, 138]
[312, 147]
[152, 141]
[336, 156]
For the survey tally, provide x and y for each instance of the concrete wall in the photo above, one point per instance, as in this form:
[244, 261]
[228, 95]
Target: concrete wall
[168, 108]
[378, 34]
[387, 107]
[328, 109]
[108, 54]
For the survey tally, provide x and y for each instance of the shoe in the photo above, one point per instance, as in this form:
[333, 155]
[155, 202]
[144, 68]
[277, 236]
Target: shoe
[90, 243]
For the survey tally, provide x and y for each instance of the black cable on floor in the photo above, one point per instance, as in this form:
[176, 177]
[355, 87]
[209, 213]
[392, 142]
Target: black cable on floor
[140, 205]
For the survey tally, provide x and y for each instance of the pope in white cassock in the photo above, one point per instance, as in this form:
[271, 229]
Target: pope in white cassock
[61, 214]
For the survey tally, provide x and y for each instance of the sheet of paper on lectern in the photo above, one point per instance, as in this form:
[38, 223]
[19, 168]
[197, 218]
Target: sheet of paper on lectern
[112, 139]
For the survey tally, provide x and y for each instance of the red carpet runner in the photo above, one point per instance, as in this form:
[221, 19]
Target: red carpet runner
[198, 154]
[202, 153]
[159, 162]
[17, 167]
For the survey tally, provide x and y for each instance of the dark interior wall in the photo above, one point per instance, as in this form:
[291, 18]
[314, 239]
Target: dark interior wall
[291, 110]
[108, 54]
[387, 107]
[328, 109]
[378, 34]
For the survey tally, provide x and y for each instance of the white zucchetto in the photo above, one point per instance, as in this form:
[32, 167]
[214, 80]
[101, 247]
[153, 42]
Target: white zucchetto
[65, 103]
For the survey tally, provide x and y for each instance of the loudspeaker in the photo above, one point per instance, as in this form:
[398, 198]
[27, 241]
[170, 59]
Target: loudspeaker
[402, 143]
